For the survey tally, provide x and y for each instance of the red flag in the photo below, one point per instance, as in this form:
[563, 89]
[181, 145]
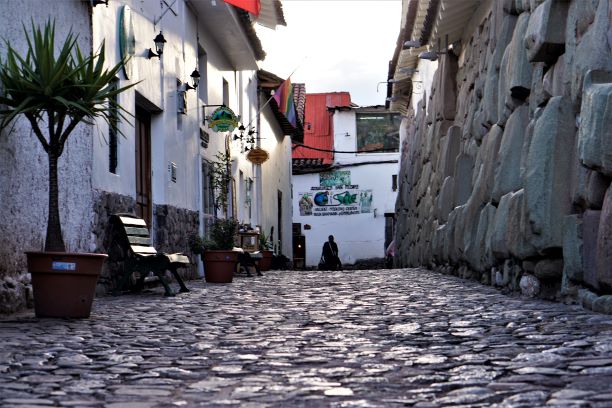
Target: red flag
[252, 6]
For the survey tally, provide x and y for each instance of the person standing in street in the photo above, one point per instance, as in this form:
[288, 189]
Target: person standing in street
[331, 260]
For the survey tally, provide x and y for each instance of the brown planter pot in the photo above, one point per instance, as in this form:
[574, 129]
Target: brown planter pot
[64, 283]
[219, 266]
[266, 262]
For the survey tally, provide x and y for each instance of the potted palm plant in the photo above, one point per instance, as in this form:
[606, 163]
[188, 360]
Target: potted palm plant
[55, 92]
[265, 246]
[217, 251]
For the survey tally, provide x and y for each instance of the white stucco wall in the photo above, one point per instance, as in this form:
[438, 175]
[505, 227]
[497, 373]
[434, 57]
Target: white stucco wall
[359, 236]
[275, 177]
[24, 164]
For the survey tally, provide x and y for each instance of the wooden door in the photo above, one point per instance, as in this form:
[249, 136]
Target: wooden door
[143, 165]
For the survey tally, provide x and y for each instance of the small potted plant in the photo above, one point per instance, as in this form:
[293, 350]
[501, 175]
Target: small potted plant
[56, 89]
[217, 251]
[265, 246]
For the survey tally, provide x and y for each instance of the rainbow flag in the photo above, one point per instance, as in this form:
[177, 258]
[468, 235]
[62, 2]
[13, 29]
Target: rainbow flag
[284, 99]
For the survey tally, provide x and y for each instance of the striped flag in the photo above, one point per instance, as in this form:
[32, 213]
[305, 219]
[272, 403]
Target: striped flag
[284, 99]
[252, 6]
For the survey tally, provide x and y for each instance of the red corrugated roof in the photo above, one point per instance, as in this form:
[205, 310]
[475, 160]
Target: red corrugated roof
[318, 125]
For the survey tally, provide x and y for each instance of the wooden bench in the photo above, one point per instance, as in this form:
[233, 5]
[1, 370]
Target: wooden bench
[247, 260]
[131, 236]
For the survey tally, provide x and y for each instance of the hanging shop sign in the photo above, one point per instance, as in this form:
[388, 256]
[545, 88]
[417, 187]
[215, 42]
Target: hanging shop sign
[127, 40]
[223, 119]
[257, 155]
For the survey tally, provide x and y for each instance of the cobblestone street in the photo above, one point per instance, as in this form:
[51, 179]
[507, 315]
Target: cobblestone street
[291, 339]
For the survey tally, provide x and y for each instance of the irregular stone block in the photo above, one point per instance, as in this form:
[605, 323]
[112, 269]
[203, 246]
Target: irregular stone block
[590, 232]
[603, 304]
[519, 69]
[548, 169]
[464, 165]
[499, 244]
[449, 150]
[592, 51]
[517, 229]
[486, 160]
[588, 188]
[539, 87]
[595, 131]
[479, 255]
[445, 201]
[526, 144]
[545, 37]
[530, 286]
[604, 244]
[508, 166]
[572, 247]
[445, 99]
[495, 71]
[549, 269]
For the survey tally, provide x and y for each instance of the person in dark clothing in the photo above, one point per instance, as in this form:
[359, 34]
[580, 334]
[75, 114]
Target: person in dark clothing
[330, 255]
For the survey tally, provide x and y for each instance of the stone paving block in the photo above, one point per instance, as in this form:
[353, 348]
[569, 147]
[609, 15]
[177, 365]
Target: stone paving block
[604, 245]
[595, 131]
[590, 233]
[548, 169]
[545, 37]
[507, 169]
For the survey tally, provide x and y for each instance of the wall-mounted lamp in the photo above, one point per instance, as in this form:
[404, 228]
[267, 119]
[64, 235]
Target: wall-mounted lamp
[159, 41]
[412, 44]
[433, 55]
[94, 3]
[195, 80]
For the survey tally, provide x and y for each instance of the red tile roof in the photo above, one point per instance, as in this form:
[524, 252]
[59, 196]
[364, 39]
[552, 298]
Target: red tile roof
[318, 125]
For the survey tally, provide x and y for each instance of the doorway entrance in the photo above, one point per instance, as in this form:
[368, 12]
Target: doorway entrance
[142, 124]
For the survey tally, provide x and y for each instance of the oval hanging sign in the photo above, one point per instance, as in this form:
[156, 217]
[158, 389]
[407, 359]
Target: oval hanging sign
[223, 119]
[127, 40]
[257, 155]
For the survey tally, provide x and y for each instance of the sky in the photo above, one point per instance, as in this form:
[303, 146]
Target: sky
[335, 45]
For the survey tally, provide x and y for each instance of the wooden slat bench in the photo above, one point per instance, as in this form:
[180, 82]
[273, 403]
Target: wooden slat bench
[132, 236]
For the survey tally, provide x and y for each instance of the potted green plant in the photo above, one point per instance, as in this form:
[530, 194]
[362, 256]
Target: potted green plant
[265, 246]
[56, 92]
[217, 251]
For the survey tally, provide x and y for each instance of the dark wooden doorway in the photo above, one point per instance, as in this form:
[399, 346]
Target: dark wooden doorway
[143, 165]
[279, 220]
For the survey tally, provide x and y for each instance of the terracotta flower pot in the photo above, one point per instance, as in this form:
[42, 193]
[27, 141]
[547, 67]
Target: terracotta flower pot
[64, 283]
[266, 262]
[219, 266]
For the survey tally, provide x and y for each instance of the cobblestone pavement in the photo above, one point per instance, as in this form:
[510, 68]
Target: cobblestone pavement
[380, 338]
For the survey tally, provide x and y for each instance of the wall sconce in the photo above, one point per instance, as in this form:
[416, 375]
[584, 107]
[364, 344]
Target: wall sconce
[159, 41]
[433, 55]
[195, 80]
[412, 44]
[94, 3]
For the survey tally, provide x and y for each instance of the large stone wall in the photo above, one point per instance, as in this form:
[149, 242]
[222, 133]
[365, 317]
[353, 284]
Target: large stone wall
[507, 162]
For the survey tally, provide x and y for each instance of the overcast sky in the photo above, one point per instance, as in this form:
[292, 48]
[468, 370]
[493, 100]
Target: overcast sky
[336, 45]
